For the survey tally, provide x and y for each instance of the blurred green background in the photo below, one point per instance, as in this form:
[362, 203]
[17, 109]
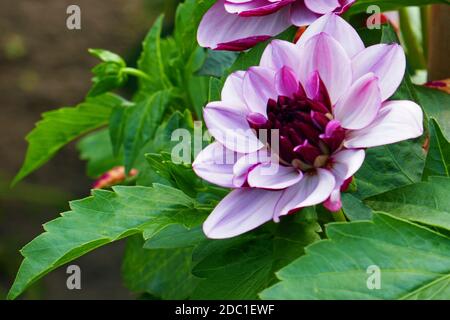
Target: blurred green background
[44, 66]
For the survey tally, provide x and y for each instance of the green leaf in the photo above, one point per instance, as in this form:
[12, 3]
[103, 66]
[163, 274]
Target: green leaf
[187, 18]
[108, 75]
[389, 167]
[117, 123]
[96, 149]
[165, 273]
[175, 236]
[438, 157]
[424, 202]
[240, 268]
[59, 127]
[354, 208]
[151, 62]
[142, 120]
[413, 261]
[217, 62]
[93, 222]
[388, 5]
[435, 105]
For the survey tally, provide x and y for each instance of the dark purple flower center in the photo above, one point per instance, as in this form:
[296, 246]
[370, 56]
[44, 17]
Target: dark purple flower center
[308, 134]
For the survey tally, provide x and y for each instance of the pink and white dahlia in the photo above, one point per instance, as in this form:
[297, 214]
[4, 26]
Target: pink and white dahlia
[327, 97]
[237, 25]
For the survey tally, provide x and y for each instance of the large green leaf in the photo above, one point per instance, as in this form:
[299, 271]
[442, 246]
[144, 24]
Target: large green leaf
[164, 273]
[435, 104]
[425, 202]
[438, 157]
[95, 221]
[414, 263]
[59, 127]
[386, 5]
[389, 167]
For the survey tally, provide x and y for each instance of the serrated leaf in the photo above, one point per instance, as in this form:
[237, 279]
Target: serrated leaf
[59, 127]
[151, 62]
[142, 120]
[424, 202]
[165, 273]
[96, 149]
[413, 261]
[438, 158]
[104, 217]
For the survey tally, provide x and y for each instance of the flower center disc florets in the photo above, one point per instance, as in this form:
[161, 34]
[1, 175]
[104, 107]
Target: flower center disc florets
[308, 134]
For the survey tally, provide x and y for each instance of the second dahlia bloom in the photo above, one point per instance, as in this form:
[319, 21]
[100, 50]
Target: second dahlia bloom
[237, 25]
[327, 97]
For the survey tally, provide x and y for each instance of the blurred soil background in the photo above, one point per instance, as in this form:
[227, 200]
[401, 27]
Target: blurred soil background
[44, 66]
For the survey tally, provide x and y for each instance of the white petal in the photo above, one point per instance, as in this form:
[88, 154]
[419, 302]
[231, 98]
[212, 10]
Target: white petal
[337, 28]
[311, 190]
[230, 128]
[273, 176]
[396, 121]
[360, 105]
[215, 164]
[387, 62]
[240, 211]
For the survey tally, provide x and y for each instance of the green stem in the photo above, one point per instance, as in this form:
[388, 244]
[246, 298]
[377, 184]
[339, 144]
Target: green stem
[415, 50]
[136, 73]
[425, 14]
[339, 216]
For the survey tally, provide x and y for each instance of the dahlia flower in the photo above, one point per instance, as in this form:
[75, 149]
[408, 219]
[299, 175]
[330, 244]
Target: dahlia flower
[327, 96]
[237, 25]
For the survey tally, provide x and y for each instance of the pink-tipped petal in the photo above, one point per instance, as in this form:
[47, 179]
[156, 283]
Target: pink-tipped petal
[256, 7]
[311, 190]
[301, 15]
[325, 55]
[281, 53]
[273, 176]
[222, 30]
[322, 6]
[240, 211]
[259, 87]
[215, 164]
[286, 82]
[360, 105]
[232, 92]
[396, 121]
[334, 203]
[337, 28]
[387, 62]
[230, 128]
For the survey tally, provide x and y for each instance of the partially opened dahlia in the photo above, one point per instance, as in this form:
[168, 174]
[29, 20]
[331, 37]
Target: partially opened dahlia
[327, 98]
[237, 25]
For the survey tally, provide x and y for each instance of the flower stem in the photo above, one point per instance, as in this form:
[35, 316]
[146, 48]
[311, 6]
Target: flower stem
[339, 216]
[136, 73]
